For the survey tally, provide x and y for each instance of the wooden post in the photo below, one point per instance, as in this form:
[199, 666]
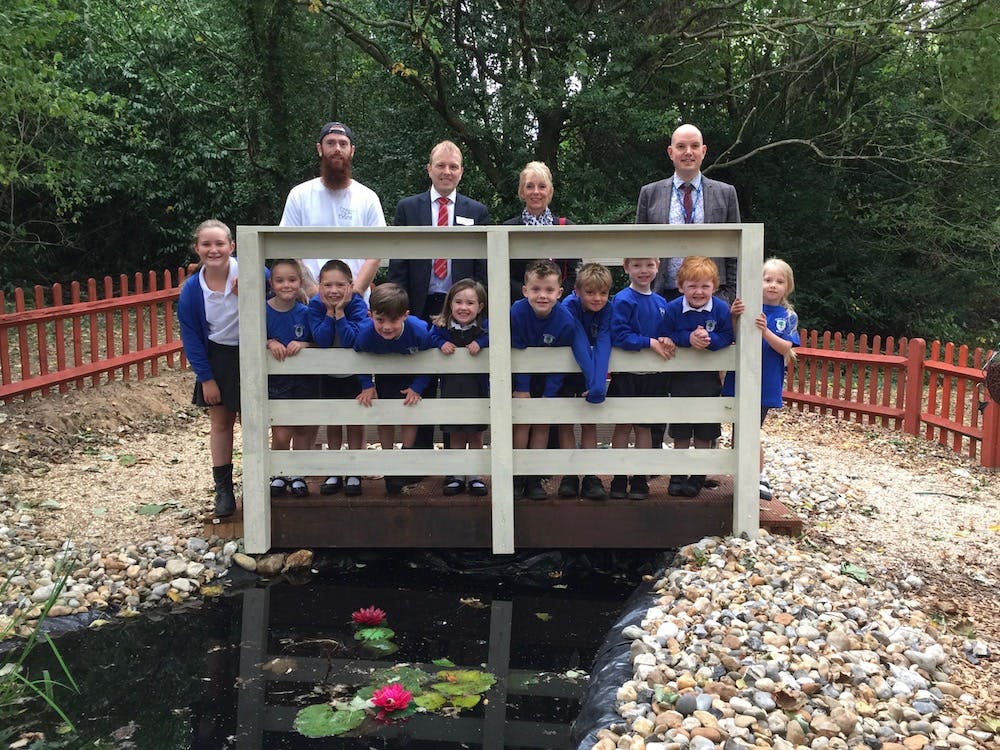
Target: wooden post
[501, 428]
[914, 386]
[746, 430]
[253, 394]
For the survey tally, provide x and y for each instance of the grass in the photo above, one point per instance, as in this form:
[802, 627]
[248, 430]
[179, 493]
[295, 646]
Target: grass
[20, 691]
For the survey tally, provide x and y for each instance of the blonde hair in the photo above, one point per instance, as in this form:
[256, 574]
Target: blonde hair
[539, 169]
[777, 264]
[698, 267]
[593, 276]
[211, 224]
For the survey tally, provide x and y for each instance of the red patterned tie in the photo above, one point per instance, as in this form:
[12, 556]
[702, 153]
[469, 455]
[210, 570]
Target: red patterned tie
[688, 203]
[441, 264]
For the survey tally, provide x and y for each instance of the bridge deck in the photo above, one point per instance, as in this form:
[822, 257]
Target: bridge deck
[421, 517]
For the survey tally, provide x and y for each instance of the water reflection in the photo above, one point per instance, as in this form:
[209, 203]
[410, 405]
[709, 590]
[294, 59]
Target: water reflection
[538, 644]
[233, 672]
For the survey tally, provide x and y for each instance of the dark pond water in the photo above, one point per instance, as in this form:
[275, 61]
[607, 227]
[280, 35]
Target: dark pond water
[234, 672]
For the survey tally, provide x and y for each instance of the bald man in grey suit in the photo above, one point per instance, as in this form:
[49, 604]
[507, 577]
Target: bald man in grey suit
[712, 202]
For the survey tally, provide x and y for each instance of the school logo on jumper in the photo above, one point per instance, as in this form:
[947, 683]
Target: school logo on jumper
[663, 311]
[709, 325]
[299, 330]
[548, 338]
[413, 349]
[781, 324]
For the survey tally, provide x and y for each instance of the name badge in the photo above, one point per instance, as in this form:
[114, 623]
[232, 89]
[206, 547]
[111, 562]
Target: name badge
[464, 221]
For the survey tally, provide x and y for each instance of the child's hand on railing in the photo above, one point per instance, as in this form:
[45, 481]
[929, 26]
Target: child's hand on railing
[700, 338]
[473, 348]
[663, 346]
[737, 308]
[410, 397]
[447, 348]
[278, 350]
[366, 396]
[294, 347]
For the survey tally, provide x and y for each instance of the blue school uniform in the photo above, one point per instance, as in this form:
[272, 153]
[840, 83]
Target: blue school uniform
[285, 327]
[784, 323]
[463, 385]
[560, 328]
[597, 327]
[415, 337]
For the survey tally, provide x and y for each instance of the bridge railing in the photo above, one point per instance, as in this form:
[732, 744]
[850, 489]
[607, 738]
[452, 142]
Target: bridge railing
[498, 244]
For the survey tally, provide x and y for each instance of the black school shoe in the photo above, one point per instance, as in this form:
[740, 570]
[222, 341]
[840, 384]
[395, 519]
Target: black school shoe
[569, 486]
[692, 485]
[279, 486]
[452, 486]
[765, 490]
[593, 489]
[676, 486]
[533, 489]
[639, 489]
[619, 487]
[518, 487]
[331, 486]
[352, 488]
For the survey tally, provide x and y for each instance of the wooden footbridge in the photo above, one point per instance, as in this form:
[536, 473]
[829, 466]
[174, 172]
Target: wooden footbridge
[422, 517]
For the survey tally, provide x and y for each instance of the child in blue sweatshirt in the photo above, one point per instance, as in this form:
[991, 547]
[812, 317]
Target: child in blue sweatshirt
[636, 315]
[539, 320]
[390, 330]
[336, 290]
[589, 304]
[700, 321]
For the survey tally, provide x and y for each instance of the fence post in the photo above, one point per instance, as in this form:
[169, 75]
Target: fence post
[989, 450]
[913, 400]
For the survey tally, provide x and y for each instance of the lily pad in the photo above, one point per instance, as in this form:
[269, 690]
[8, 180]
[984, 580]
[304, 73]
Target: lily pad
[543, 616]
[443, 662]
[323, 721]
[465, 701]
[431, 700]
[381, 647]
[410, 678]
[374, 634]
[463, 682]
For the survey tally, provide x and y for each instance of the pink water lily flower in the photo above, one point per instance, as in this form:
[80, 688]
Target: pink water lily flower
[391, 697]
[368, 616]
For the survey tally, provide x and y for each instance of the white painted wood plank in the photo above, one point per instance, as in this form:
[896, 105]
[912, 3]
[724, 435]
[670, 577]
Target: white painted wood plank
[253, 395]
[373, 462]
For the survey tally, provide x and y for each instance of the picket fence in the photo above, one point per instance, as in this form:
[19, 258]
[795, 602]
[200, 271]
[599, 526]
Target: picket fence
[110, 331]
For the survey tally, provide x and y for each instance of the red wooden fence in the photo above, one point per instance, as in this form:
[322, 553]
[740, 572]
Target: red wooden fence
[898, 385]
[124, 332]
[110, 334]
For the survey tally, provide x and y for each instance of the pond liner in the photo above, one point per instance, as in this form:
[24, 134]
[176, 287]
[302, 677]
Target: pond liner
[612, 668]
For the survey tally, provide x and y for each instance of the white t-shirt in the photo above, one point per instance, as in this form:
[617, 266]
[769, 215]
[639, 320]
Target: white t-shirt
[313, 204]
[222, 309]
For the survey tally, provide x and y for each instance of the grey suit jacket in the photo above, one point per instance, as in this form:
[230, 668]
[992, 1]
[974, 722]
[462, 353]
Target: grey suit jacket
[721, 207]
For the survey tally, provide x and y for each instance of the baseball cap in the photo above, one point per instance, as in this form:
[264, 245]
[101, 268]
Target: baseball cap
[335, 127]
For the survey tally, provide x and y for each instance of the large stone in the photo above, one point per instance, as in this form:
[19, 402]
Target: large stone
[270, 565]
[302, 558]
[245, 561]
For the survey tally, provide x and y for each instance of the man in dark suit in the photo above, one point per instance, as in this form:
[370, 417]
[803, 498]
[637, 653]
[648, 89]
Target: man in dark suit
[428, 281]
[687, 197]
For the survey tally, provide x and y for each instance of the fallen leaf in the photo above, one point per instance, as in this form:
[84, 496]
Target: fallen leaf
[50, 505]
[473, 602]
[127, 459]
[543, 616]
[150, 510]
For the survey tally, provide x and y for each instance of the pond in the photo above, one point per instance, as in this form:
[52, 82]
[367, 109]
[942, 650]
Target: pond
[235, 671]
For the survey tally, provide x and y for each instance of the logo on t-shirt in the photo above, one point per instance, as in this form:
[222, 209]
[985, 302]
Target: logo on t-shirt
[299, 330]
[548, 338]
[709, 325]
[781, 324]
[344, 213]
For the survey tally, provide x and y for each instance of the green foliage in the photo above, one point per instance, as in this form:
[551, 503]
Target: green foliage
[19, 690]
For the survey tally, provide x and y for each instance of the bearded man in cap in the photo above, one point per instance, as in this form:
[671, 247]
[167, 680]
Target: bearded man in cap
[335, 199]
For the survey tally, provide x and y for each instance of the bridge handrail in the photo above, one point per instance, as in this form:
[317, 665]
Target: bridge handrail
[498, 244]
